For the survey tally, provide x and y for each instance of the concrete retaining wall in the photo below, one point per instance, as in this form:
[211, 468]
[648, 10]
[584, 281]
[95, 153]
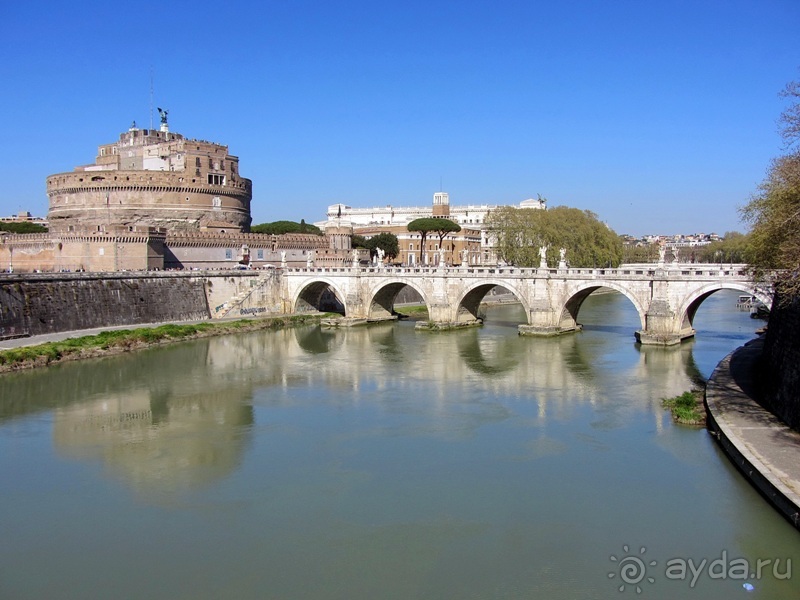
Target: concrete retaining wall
[781, 363]
[34, 304]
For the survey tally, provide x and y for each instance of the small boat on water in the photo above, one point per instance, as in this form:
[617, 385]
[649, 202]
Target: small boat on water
[758, 310]
[746, 302]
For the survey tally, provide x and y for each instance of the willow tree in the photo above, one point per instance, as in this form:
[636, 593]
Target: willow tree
[520, 232]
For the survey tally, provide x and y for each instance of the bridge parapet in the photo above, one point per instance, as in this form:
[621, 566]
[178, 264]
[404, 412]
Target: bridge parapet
[681, 271]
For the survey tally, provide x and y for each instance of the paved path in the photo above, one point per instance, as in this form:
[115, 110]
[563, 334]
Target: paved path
[765, 450]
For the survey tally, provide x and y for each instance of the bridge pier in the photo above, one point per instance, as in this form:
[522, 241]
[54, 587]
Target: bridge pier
[447, 325]
[648, 338]
[661, 326]
[547, 330]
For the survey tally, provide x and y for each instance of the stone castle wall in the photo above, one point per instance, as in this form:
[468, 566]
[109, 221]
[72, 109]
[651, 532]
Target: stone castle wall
[210, 250]
[168, 199]
[780, 363]
[119, 249]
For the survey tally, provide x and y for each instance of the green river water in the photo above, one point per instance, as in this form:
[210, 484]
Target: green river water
[381, 463]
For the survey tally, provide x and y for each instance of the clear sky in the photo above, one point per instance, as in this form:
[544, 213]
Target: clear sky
[659, 116]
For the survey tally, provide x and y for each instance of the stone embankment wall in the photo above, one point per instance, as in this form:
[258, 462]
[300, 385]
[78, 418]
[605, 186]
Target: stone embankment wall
[780, 363]
[34, 304]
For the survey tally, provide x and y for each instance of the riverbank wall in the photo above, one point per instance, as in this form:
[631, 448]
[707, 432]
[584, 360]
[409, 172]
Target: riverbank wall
[764, 449]
[780, 363]
[36, 304]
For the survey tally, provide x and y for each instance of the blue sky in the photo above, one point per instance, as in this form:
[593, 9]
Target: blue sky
[658, 116]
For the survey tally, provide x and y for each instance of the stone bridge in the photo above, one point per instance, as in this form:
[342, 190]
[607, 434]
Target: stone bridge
[666, 296]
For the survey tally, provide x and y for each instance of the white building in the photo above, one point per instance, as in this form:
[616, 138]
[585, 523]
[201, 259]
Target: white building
[472, 216]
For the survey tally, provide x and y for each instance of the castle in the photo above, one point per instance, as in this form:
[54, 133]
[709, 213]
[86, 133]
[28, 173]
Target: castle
[153, 179]
[157, 200]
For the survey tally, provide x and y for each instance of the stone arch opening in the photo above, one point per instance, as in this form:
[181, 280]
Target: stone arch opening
[688, 309]
[319, 296]
[381, 306]
[568, 320]
[469, 306]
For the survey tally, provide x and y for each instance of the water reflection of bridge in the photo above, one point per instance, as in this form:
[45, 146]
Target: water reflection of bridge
[666, 297]
[174, 418]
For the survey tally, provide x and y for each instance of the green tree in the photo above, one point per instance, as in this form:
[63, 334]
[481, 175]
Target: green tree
[426, 225]
[732, 248]
[385, 241]
[774, 211]
[358, 241]
[22, 227]
[639, 253]
[281, 227]
[520, 232]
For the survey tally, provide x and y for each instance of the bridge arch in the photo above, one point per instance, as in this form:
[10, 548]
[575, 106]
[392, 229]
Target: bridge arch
[469, 304]
[568, 320]
[380, 304]
[321, 295]
[688, 307]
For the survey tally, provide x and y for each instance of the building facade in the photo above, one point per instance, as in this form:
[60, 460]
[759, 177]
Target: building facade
[457, 249]
[393, 219]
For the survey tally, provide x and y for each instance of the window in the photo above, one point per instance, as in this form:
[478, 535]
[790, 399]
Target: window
[214, 179]
[260, 254]
[228, 254]
[197, 162]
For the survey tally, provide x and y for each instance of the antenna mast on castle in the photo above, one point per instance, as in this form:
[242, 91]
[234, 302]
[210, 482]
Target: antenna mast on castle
[151, 97]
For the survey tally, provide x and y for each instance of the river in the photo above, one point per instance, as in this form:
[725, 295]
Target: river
[382, 462]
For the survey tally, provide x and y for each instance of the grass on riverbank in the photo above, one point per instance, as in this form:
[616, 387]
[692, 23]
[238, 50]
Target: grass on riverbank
[415, 311]
[124, 340]
[687, 408]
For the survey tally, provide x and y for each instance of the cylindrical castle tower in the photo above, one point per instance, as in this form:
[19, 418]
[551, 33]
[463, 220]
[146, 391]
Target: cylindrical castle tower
[156, 179]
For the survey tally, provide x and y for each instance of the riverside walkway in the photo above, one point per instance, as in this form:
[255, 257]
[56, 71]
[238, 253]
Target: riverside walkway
[766, 451]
